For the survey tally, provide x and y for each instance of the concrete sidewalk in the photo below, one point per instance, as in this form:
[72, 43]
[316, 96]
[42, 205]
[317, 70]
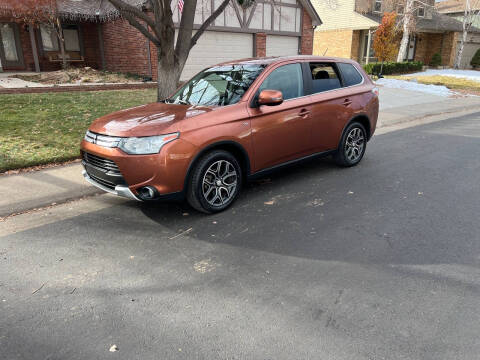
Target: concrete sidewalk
[399, 105]
[30, 190]
[26, 191]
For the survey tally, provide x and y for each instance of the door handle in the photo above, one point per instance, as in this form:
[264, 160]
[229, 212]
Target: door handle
[347, 102]
[304, 112]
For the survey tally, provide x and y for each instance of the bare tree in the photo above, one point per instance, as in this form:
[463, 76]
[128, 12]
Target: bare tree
[408, 26]
[155, 22]
[407, 20]
[472, 10]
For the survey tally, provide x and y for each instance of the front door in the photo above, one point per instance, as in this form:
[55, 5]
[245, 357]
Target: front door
[11, 54]
[281, 133]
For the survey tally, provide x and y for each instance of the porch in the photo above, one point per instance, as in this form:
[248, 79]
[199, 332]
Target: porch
[422, 46]
[25, 47]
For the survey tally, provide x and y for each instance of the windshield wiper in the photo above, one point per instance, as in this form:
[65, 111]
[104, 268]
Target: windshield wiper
[184, 102]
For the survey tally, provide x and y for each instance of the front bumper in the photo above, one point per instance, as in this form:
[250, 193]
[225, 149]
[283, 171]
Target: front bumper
[120, 190]
[165, 171]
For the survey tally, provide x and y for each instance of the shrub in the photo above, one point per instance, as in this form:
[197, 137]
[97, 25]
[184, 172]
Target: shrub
[475, 62]
[436, 60]
[392, 68]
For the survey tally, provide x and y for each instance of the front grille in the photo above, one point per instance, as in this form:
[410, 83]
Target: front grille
[102, 163]
[103, 171]
[102, 140]
[103, 182]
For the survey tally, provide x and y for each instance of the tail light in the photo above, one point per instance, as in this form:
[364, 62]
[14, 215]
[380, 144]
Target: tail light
[375, 90]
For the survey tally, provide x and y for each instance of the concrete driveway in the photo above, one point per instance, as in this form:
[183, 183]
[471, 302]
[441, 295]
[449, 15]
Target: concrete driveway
[380, 261]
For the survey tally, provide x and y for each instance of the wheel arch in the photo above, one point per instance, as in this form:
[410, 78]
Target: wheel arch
[232, 147]
[364, 120]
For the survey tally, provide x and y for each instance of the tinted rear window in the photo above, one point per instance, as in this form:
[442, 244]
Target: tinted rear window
[350, 74]
[324, 77]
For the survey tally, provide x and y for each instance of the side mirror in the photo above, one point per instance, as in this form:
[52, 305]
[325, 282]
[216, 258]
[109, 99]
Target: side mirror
[270, 97]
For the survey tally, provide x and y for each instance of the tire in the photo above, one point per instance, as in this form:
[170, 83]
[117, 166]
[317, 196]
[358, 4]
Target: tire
[212, 187]
[352, 145]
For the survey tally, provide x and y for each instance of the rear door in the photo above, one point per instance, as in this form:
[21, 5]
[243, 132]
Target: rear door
[331, 105]
[281, 133]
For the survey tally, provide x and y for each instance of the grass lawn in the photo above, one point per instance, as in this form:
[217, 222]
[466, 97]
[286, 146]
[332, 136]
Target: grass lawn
[449, 81]
[38, 129]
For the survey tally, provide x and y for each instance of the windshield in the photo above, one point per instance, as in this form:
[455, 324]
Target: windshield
[217, 86]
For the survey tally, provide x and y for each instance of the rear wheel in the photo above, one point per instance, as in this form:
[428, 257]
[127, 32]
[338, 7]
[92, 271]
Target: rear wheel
[352, 145]
[215, 182]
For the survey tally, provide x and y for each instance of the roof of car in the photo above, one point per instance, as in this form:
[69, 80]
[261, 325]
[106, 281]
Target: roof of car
[277, 59]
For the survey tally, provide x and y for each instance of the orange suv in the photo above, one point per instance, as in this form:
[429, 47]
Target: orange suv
[229, 123]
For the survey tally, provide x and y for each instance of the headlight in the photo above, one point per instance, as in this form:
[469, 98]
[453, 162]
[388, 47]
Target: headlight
[145, 145]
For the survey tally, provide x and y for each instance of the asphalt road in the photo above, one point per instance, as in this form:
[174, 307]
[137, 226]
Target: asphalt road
[380, 261]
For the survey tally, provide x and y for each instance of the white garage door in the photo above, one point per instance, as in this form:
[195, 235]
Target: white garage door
[214, 47]
[468, 51]
[282, 45]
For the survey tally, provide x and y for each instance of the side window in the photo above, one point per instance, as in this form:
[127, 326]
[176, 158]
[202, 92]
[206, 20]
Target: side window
[351, 76]
[287, 79]
[324, 77]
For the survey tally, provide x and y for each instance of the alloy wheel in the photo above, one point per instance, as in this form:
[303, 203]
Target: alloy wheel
[354, 144]
[219, 183]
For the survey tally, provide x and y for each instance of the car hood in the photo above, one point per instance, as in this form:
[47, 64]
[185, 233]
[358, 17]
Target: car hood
[146, 120]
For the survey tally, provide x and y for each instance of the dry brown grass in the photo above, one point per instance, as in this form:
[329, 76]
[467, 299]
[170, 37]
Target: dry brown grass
[448, 81]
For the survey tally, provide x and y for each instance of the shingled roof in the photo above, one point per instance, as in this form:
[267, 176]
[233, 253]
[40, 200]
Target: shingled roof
[438, 23]
[91, 9]
[99, 10]
[455, 6]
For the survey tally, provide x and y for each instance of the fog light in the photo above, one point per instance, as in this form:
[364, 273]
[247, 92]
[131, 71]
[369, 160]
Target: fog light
[147, 193]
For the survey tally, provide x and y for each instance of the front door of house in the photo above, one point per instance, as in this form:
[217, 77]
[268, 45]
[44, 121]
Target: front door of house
[11, 55]
[411, 48]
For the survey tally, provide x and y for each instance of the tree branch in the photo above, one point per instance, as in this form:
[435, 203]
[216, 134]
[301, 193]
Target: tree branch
[182, 46]
[207, 22]
[125, 8]
[144, 30]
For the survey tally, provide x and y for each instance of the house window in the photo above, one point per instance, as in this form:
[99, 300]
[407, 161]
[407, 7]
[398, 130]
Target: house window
[7, 35]
[70, 34]
[421, 11]
[50, 39]
[378, 6]
[400, 9]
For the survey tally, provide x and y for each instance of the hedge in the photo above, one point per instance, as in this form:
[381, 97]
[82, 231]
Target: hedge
[390, 68]
[475, 62]
[436, 60]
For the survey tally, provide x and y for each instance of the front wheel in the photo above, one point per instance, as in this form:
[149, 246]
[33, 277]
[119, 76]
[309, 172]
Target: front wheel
[215, 182]
[352, 145]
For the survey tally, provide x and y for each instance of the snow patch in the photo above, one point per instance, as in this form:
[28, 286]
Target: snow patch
[438, 90]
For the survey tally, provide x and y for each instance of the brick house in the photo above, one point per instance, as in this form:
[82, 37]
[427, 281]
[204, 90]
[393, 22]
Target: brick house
[348, 28]
[96, 36]
[455, 9]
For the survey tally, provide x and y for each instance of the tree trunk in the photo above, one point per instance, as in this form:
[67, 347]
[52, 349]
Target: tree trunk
[407, 24]
[168, 73]
[61, 40]
[460, 50]
[458, 60]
